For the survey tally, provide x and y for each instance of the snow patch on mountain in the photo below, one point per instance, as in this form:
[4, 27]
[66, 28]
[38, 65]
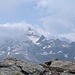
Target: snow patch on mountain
[74, 57]
[65, 45]
[2, 52]
[34, 39]
[17, 53]
[8, 53]
[46, 47]
[8, 48]
[59, 51]
[66, 55]
[47, 53]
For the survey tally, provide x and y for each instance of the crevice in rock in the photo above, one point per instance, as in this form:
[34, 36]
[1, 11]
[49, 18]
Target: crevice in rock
[24, 72]
[72, 72]
[48, 63]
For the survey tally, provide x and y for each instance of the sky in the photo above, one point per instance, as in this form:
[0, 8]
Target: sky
[54, 18]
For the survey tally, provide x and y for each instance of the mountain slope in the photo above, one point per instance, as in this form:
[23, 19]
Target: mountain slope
[32, 47]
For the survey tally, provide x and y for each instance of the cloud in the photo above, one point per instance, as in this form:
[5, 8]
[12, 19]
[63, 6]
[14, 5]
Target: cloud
[9, 30]
[20, 27]
[56, 25]
[70, 36]
[58, 16]
[13, 30]
[17, 30]
[10, 5]
[41, 31]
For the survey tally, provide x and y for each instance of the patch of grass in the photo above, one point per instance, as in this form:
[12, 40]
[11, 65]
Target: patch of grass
[60, 69]
[2, 73]
[16, 73]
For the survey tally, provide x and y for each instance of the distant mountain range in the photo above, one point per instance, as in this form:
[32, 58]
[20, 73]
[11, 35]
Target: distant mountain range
[36, 48]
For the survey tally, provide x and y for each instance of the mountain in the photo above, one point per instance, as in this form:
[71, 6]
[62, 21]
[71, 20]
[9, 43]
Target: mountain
[32, 35]
[35, 48]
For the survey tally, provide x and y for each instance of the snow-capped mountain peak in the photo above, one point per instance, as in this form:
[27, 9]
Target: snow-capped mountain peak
[32, 35]
[29, 29]
[31, 32]
[42, 38]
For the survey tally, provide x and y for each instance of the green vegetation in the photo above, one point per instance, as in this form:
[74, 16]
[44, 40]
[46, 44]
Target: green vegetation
[16, 73]
[2, 73]
[60, 69]
[36, 72]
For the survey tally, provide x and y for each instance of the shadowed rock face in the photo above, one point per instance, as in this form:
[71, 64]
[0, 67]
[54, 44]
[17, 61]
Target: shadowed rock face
[13, 66]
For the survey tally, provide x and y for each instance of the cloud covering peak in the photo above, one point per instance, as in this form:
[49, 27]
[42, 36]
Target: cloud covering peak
[59, 17]
[48, 17]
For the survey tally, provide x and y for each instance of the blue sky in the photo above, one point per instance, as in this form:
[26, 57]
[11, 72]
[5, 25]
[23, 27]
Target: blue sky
[50, 17]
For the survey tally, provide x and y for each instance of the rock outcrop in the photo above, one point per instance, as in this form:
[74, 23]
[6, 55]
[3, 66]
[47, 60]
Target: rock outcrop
[58, 67]
[13, 66]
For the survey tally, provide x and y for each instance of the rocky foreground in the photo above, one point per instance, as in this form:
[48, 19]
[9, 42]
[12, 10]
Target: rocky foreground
[13, 66]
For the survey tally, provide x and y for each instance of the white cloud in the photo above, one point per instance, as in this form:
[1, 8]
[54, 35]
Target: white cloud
[42, 31]
[17, 30]
[18, 27]
[56, 25]
[41, 3]
[70, 36]
[58, 16]
[21, 28]
[13, 30]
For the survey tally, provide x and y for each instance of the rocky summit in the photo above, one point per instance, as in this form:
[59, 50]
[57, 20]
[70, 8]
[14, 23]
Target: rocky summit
[13, 66]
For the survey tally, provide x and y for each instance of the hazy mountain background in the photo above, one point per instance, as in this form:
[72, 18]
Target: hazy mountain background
[37, 30]
[29, 44]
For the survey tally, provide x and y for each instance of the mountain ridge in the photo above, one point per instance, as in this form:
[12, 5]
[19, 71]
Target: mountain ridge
[35, 48]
